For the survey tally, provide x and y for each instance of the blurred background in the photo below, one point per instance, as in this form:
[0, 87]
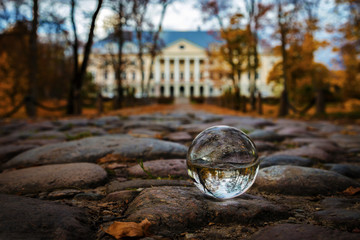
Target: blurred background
[272, 58]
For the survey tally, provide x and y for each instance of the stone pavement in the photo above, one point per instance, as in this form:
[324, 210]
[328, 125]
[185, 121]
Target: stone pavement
[70, 179]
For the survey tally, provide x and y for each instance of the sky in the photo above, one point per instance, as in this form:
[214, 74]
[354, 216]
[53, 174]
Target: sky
[183, 15]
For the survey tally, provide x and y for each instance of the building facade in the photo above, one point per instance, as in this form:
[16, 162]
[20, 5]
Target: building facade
[182, 69]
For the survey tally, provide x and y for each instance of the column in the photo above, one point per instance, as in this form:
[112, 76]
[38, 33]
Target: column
[196, 70]
[206, 88]
[157, 70]
[196, 77]
[176, 77]
[167, 77]
[207, 80]
[187, 77]
[157, 76]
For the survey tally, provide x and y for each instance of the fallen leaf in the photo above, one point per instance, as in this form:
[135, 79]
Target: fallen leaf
[128, 229]
[350, 191]
[113, 158]
[115, 165]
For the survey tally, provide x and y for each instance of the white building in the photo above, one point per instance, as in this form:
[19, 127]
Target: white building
[183, 68]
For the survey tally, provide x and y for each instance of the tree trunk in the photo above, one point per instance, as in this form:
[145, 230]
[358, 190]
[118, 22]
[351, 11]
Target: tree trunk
[259, 104]
[32, 88]
[237, 99]
[75, 47]
[243, 104]
[250, 71]
[99, 103]
[255, 72]
[320, 103]
[120, 65]
[155, 45]
[284, 101]
[75, 98]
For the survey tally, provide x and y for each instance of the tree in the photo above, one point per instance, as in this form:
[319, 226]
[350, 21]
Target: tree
[155, 45]
[255, 13]
[138, 13]
[31, 97]
[311, 9]
[349, 49]
[234, 49]
[14, 65]
[234, 53]
[79, 70]
[305, 77]
[285, 21]
[120, 35]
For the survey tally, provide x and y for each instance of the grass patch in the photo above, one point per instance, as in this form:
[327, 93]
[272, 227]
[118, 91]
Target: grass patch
[78, 136]
[148, 173]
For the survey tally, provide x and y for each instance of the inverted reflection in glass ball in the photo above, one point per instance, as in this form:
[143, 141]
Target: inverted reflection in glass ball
[223, 162]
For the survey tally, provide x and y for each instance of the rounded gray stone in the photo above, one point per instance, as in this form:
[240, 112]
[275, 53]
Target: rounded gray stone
[346, 218]
[28, 218]
[301, 231]
[173, 210]
[122, 196]
[50, 134]
[310, 152]
[160, 168]
[348, 170]
[91, 149]
[11, 150]
[264, 135]
[285, 160]
[262, 146]
[179, 137]
[303, 181]
[51, 177]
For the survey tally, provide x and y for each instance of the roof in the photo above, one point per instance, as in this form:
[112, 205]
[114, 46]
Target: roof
[167, 38]
[200, 38]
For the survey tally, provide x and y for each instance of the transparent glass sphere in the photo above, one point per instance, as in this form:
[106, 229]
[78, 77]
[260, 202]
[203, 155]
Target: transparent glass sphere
[223, 162]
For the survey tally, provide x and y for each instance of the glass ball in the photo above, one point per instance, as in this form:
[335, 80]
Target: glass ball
[223, 162]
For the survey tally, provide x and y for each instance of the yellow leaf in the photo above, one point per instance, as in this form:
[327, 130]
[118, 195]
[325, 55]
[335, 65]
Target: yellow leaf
[128, 229]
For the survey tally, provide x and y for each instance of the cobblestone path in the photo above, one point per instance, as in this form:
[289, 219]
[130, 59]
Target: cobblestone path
[72, 178]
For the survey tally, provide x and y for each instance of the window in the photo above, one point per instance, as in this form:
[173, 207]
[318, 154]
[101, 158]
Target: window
[181, 46]
[172, 75]
[123, 75]
[151, 75]
[133, 75]
[93, 74]
[106, 74]
[181, 75]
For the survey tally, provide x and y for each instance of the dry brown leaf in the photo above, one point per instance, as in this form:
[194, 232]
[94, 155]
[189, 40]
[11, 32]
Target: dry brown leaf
[113, 158]
[350, 191]
[116, 165]
[128, 229]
